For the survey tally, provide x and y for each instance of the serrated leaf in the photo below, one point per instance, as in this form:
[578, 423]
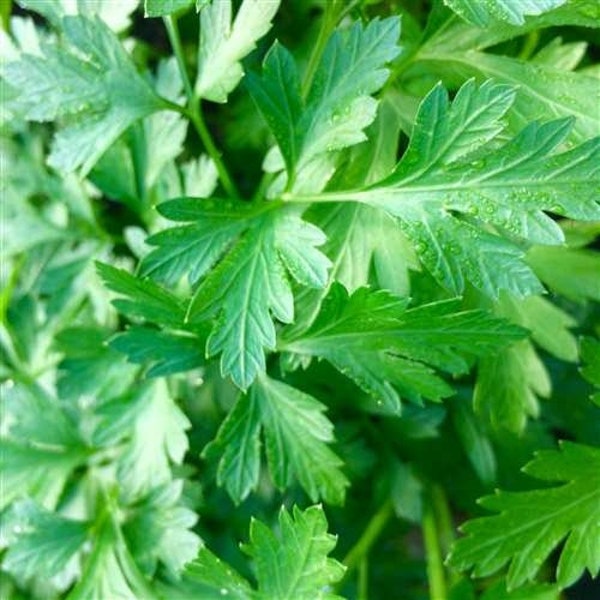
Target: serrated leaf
[159, 529]
[44, 541]
[167, 353]
[450, 188]
[338, 105]
[375, 340]
[142, 298]
[290, 566]
[484, 13]
[116, 16]
[572, 272]
[508, 386]
[296, 435]
[40, 446]
[89, 367]
[524, 536]
[250, 284]
[152, 415]
[90, 83]
[193, 249]
[223, 44]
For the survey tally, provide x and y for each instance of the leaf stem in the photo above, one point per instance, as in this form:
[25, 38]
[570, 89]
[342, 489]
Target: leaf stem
[175, 40]
[373, 530]
[193, 111]
[433, 552]
[327, 24]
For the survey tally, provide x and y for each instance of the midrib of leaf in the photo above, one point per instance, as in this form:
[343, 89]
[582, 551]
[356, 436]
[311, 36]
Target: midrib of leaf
[292, 589]
[568, 508]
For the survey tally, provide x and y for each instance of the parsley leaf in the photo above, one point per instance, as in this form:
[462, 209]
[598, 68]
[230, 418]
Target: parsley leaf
[223, 44]
[250, 283]
[296, 436]
[372, 337]
[531, 524]
[291, 566]
[44, 542]
[90, 83]
[338, 105]
[456, 180]
[485, 13]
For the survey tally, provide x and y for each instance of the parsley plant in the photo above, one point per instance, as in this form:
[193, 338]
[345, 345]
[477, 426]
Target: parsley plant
[287, 287]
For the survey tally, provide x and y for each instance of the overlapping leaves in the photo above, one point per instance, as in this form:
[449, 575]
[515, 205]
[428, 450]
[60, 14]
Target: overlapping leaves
[468, 200]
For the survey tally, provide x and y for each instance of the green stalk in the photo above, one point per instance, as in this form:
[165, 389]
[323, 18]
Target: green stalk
[193, 111]
[433, 553]
[363, 546]
[327, 25]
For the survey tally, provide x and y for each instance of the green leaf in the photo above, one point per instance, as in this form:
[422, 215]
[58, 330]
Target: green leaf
[90, 368]
[590, 354]
[167, 352]
[90, 84]
[193, 249]
[224, 44]
[463, 198]
[40, 446]
[159, 529]
[530, 525]
[339, 104]
[44, 542]
[116, 16]
[160, 8]
[510, 382]
[508, 386]
[290, 566]
[572, 272]
[372, 337]
[483, 14]
[296, 436]
[149, 413]
[544, 92]
[142, 299]
[250, 284]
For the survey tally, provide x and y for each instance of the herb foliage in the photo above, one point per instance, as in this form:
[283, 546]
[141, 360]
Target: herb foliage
[304, 268]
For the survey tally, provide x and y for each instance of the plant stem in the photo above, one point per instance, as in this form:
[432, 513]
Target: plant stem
[373, 530]
[193, 111]
[327, 24]
[363, 579]
[433, 552]
[175, 40]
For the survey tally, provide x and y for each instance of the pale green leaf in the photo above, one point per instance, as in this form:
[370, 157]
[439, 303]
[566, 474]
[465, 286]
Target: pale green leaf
[117, 15]
[508, 386]
[37, 456]
[224, 44]
[530, 525]
[571, 272]
[483, 13]
[159, 529]
[90, 83]
[44, 542]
